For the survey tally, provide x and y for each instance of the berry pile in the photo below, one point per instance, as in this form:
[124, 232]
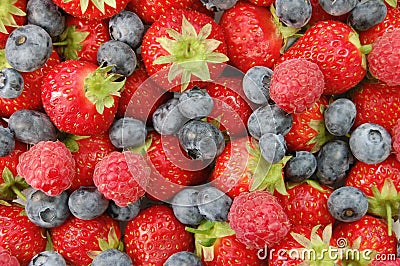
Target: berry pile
[199, 132]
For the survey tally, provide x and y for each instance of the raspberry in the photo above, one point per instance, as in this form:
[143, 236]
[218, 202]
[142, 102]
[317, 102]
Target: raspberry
[122, 177]
[47, 166]
[258, 219]
[383, 60]
[296, 85]
[396, 139]
[7, 259]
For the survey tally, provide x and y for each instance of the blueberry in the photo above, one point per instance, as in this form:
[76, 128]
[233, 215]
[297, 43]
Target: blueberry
[214, 204]
[7, 142]
[28, 48]
[31, 126]
[167, 119]
[301, 166]
[46, 14]
[128, 133]
[294, 13]
[87, 203]
[112, 257]
[184, 205]
[347, 204]
[195, 103]
[333, 162]
[11, 83]
[126, 27]
[48, 258]
[201, 140]
[370, 143]
[269, 119]
[183, 258]
[272, 147]
[123, 214]
[218, 5]
[367, 14]
[339, 116]
[47, 211]
[256, 84]
[118, 54]
[337, 7]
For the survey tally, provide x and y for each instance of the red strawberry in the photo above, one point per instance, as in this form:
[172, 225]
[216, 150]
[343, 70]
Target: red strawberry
[93, 9]
[80, 98]
[12, 15]
[258, 219]
[262, 2]
[22, 238]
[76, 239]
[251, 35]
[335, 48]
[183, 46]
[308, 132]
[296, 85]
[396, 140]
[7, 259]
[122, 177]
[82, 38]
[11, 161]
[47, 166]
[319, 14]
[154, 235]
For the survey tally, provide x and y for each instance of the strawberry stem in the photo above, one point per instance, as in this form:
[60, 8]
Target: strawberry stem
[18, 193]
[389, 217]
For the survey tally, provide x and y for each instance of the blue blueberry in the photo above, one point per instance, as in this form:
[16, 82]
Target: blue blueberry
[118, 54]
[112, 257]
[46, 14]
[370, 143]
[218, 5]
[128, 133]
[333, 162]
[367, 14]
[87, 203]
[28, 47]
[11, 83]
[294, 13]
[123, 214]
[47, 211]
[214, 204]
[195, 103]
[256, 84]
[339, 116]
[347, 204]
[126, 27]
[272, 147]
[7, 142]
[337, 7]
[167, 119]
[184, 205]
[301, 166]
[48, 258]
[31, 126]
[201, 140]
[183, 258]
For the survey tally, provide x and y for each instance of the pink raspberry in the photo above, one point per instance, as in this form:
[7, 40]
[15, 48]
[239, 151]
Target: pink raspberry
[122, 177]
[396, 139]
[7, 259]
[47, 166]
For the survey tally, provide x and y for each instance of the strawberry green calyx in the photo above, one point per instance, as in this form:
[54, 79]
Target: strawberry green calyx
[12, 186]
[364, 49]
[70, 141]
[189, 53]
[392, 3]
[101, 86]
[112, 242]
[99, 4]
[323, 136]
[3, 60]
[70, 42]
[7, 12]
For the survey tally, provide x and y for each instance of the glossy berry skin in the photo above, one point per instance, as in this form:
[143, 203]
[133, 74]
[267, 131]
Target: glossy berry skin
[123, 214]
[160, 232]
[337, 8]
[294, 13]
[256, 84]
[126, 27]
[11, 161]
[396, 140]
[218, 5]
[87, 203]
[273, 147]
[127, 133]
[7, 142]
[301, 166]
[185, 207]
[48, 166]
[112, 257]
[46, 211]
[11, 83]
[367, 14]
[213, 204]
[195, 103]
[47, 258]
[118, 54]
[340, 116]
[167, 119]
[258, 219]
[12, 10]
[183, 258]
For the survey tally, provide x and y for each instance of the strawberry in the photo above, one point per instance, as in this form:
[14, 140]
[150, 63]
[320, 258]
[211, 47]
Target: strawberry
[22, 238]
[335, 48]
[308, 130]
[262, 2]
[251, 35]
[11, 161]
[396, 140]
[183, 44]
[93, 9]
[319, 14]
[12, 15]
[80, 98]
[82, 38]
[77, 239]
[154, 235]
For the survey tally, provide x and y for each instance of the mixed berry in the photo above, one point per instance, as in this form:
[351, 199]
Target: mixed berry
[199, 132]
